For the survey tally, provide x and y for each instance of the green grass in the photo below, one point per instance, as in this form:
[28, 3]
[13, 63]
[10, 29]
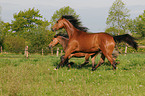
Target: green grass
[36, 77]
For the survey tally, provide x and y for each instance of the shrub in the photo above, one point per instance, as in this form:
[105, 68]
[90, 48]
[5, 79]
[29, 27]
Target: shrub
[14, 44]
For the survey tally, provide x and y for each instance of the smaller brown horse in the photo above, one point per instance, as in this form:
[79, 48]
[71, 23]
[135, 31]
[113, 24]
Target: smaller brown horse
[63, 40]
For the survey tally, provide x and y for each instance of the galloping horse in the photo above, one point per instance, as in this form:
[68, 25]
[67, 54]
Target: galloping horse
[63, 40]
[81, 41]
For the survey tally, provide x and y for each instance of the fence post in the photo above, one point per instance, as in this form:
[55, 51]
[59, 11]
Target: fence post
[42, 51]
[1, 49]
[61, 52]
[125, 48]
[57, 52]
[26, 51]
[51, 51]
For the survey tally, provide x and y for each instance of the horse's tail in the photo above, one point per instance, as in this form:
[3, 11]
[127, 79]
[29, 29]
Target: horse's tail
[126, 38]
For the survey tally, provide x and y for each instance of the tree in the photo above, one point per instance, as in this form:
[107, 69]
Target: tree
[4, 31]
[140, 25]
[118, 18]
[0, 28]
[29, 25]
[132, 25]
[137, 25]
[62, 11]
[0, 13]
[39, 39]
[27, 20]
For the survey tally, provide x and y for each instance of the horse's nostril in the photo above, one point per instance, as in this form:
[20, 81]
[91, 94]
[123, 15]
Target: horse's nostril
[53, 29]
[49, 46]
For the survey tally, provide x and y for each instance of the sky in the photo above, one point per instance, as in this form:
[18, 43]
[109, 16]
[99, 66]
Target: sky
[93, 13]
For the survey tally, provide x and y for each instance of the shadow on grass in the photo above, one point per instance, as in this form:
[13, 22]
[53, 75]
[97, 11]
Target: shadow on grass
[87, 66]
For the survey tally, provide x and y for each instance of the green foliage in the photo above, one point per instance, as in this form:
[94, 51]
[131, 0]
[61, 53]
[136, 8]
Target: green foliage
[140, 27]
[36, 77]
[117, 18]
[140, 42]
[27, 25]
[26, 20]
[4, 31]
[62, 11]
[0, 13]
[137, 25]
[14, 44]
[40, 40]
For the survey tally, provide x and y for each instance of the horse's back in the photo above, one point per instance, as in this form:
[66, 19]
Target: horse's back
[92, 41]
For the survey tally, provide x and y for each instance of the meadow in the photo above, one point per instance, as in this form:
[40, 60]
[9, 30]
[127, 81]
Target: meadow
[36, 76]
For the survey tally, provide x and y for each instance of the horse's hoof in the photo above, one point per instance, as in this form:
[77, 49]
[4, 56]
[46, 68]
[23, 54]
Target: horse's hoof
[93, 69]
[114, 68]
[71, 63]
[57, 67]
[79, 66]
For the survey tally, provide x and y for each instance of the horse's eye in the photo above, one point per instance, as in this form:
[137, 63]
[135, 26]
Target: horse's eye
[57, 22]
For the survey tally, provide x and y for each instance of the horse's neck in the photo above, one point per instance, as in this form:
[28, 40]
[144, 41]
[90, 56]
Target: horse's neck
[63, 42]
[71, 30]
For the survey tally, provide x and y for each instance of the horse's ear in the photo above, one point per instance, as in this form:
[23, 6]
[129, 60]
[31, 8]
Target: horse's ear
[62, 16]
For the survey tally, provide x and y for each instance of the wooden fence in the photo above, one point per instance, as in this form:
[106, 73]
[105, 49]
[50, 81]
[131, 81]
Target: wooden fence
[58, 51]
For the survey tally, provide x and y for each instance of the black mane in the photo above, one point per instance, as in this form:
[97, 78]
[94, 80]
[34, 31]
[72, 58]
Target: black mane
[60, 34]
[75, 22]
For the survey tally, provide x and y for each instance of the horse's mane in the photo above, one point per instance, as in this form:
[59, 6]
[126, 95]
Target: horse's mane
[60, 34]
[75, 22]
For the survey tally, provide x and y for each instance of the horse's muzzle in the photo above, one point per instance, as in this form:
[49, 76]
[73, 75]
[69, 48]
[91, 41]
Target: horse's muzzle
[53, 29]
[49, 46]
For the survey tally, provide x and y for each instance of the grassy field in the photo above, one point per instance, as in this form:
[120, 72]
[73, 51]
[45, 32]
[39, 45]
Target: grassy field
[36, 77]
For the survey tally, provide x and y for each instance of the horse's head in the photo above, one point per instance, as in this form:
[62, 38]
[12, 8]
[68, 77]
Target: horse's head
[58, 25]
[54, 41]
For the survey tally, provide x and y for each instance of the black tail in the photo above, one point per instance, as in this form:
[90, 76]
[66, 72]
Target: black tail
[126, 38]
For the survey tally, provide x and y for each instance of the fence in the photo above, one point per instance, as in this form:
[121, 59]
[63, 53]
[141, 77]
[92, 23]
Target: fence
[28, 51]
[42, 52]
[60, 51]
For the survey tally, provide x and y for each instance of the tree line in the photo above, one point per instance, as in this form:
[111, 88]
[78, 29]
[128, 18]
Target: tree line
[30, 28]
[119, 22]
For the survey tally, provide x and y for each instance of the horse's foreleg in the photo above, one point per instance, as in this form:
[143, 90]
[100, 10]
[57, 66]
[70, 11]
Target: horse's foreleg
[102, 59]
[62, 58]
[65, 58]
[93, 58]
[62, 63]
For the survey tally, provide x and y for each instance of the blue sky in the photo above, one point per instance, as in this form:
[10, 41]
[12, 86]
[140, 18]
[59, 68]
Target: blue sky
[93, 13]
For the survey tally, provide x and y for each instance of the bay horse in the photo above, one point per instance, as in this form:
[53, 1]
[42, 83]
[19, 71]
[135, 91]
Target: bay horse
[81, 41]
[63, 40]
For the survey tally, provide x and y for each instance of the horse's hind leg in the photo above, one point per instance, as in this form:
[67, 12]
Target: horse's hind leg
[111, 60]
[109, 56]
[102, 59]
[86, 61]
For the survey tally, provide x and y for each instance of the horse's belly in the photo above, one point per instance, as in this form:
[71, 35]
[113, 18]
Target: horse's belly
[78, 54]
[89, 49]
